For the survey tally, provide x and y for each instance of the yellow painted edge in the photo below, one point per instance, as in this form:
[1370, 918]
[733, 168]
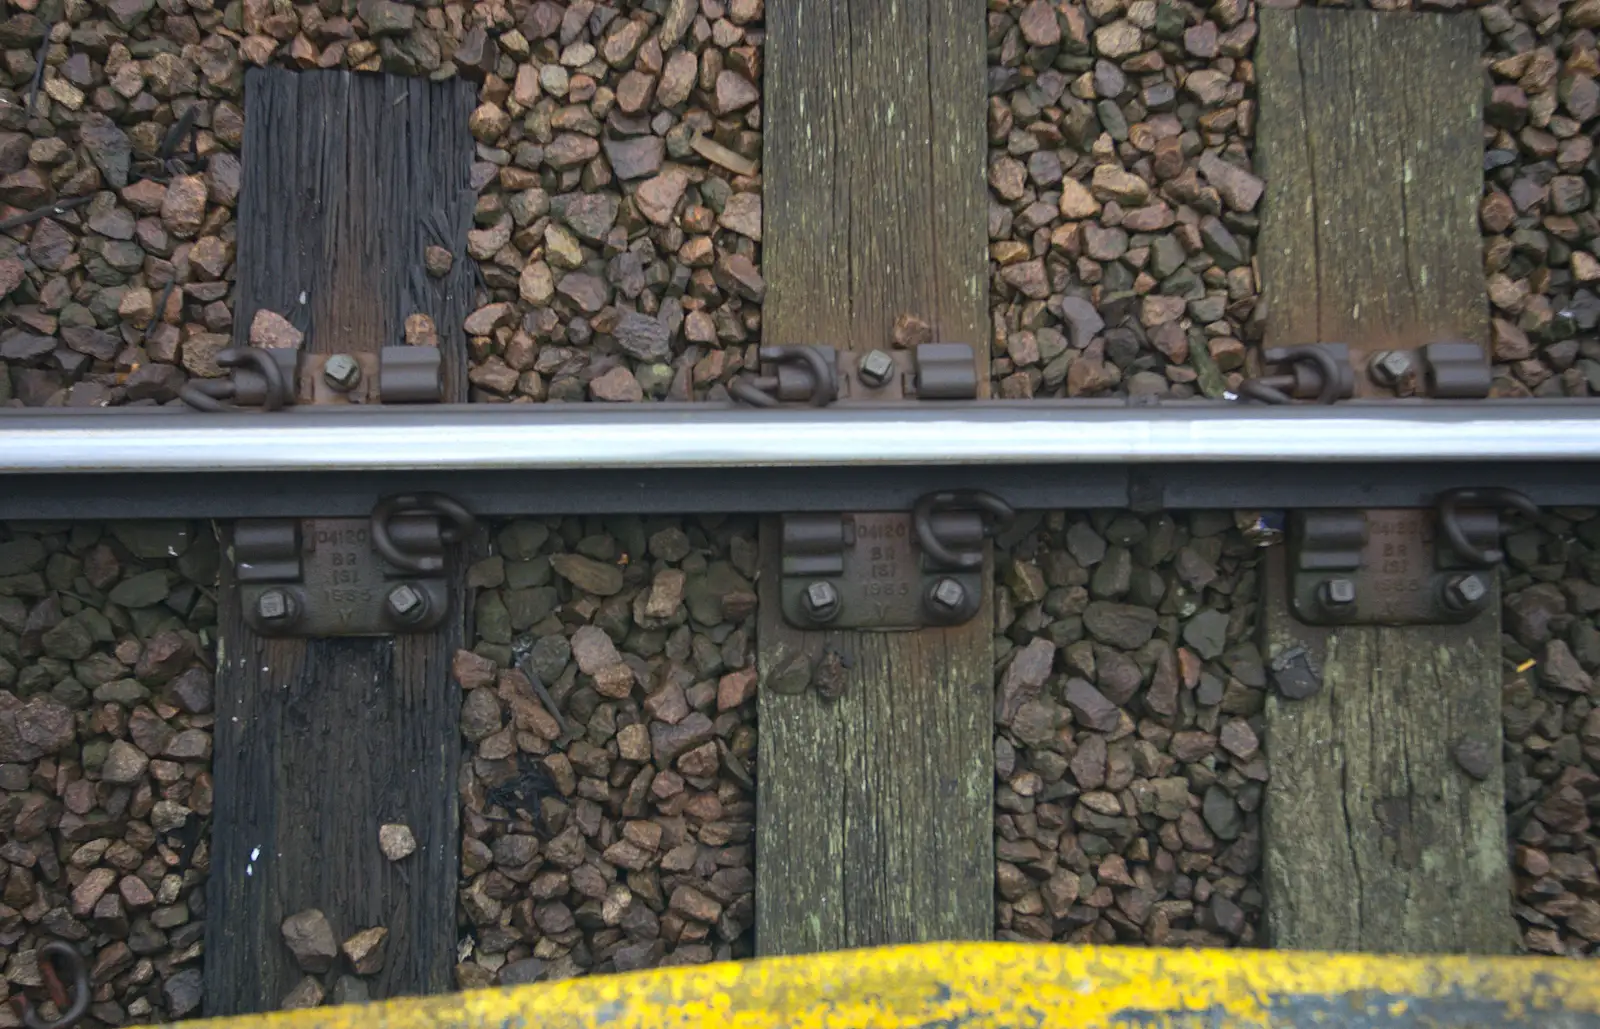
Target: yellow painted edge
[988, 985]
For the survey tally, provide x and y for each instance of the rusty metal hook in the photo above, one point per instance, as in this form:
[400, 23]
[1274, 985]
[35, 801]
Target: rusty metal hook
[277, 391]
[762, 390]
[997, 516]
[749, 390]
[209, 394]
[1271, 389]
[458, 523]
[1451, 501]
[48, 957]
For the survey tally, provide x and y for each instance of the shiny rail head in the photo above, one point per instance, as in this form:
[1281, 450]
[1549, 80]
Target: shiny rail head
[591, 436]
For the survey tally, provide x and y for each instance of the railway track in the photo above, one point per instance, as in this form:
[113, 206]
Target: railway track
[1135, 494]
[675, 458]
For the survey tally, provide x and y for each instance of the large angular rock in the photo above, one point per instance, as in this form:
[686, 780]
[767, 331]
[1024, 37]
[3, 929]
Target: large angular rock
[33, 728]
[1120, 625]
[1024, 678]
[310, 939]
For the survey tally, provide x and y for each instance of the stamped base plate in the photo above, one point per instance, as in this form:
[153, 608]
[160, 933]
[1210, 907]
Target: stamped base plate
[344, 587]
[1401, 578]
[881, 577]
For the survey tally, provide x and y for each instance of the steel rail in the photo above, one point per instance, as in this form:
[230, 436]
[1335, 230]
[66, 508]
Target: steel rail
[551, 437]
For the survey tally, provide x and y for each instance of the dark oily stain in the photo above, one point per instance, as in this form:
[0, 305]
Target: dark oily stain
[524, 791]
[1396, 820]
[1365, 1010]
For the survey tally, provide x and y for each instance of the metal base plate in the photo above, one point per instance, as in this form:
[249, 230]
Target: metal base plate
[1399, 581]
[344, 587]
[882, 582]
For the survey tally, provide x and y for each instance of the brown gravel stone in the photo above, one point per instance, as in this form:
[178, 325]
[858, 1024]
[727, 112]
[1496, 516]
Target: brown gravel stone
[1131, 814]
[638, 872]
[396, 841]
[310, 939]
[98, 742]
[365, 950]
[652, 115]
[307, 993]
[617, 386]
[272, 330]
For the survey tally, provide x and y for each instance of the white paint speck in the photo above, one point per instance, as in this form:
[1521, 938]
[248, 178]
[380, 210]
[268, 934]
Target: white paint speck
[302, 296]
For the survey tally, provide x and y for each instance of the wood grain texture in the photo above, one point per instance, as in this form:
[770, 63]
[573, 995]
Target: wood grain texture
[1370, 146]
[1375, 839]
[318, 743]
[875, 812]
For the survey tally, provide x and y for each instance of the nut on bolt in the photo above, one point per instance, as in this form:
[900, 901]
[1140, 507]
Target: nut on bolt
[947, 599]
[821, 602]
[876, 367]
[406, 603]
[341, 372]
[1465, 592]
[1388, 367]
[1336, 596]
[277, 607]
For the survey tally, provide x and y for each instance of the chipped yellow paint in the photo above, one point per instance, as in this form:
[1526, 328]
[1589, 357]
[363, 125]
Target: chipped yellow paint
[992, 985]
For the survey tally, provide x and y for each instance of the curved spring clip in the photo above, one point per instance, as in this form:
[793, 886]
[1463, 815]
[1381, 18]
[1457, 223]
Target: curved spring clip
[459, 522]
[997, 516]
[59, 961]
[1450, 527]
[1270, 389]
[209, 394]
[761, 390]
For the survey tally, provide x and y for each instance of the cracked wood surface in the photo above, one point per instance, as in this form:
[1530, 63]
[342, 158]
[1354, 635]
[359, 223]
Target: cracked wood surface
[1370, 146]
[1374, 838]
[318, 742]
[875, 814]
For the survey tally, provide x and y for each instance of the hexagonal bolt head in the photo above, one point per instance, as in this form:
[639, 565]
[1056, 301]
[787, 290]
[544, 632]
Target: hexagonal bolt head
[1388, 367]
[876, 367]
[947, 599]
[341, 372]
[406, 603]
[1336, 594]
[1464, 592]
[276, 607]
[821, 602]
